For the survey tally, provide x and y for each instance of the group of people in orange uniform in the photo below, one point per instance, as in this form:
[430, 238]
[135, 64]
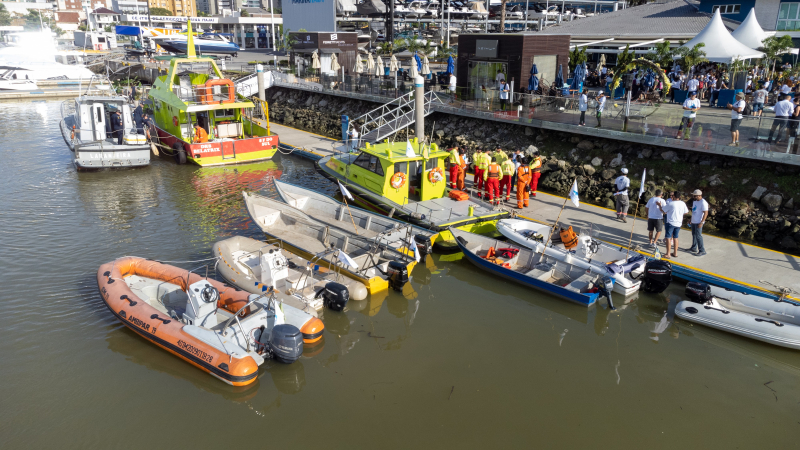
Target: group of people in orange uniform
[496, 172]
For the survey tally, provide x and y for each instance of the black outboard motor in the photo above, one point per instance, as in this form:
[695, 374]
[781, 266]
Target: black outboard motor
[285, 343]
[698, 292]
[657, 276]
[398, 275]
[604, 288]
[424, 246]
[334, 296]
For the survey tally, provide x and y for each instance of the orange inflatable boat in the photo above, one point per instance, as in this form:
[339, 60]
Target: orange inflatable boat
[221, 330]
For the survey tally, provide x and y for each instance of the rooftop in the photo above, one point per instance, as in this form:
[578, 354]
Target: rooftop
[104, 11]
[667, 19]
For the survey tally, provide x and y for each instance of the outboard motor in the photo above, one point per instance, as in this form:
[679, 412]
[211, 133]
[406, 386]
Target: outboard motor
[699, 292]
[657, 276]
[398, 275]
[334, 296]
[604, 288]
[285, 343]
[424, 246]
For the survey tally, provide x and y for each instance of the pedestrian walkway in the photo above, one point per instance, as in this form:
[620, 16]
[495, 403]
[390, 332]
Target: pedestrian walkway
[303, 144]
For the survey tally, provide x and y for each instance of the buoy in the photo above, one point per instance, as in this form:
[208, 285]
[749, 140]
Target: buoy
[154, 149]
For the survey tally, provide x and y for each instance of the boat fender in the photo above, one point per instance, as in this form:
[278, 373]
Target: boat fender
[418, 216]
[398, 180]
[698, 292]
[334, 296]
[398, 275]
[463, 241]
[285, 343]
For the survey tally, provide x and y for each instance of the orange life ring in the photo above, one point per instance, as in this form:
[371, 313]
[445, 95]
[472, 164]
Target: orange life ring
[435, 175]
[398, 180]
[208, 98]
[175, 120]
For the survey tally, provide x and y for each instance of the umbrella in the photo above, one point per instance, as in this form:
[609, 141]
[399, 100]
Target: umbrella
[419, 61]
[602, 62]
[393, 66]
[359, 68]
[315, 60]
[559, 82]
[414, 71]
[370, 63]
[335, 63]
[379, 66]
[425, 67]
[451, 65]
[533, 82]
[577, 78]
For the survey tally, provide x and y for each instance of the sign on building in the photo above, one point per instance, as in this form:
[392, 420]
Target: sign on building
[312, 15]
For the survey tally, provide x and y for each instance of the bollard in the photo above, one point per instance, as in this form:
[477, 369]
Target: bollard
[419, 107]
[260, 74]
[471, 210]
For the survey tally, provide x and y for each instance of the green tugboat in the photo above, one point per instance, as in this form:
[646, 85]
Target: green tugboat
[384, 177]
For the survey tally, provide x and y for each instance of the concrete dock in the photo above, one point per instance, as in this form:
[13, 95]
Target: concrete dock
[726, 258]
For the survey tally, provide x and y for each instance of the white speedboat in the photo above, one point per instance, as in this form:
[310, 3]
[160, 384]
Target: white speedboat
[417, 10]
[15, 79]
[478, 10]
[401, 10]
[626, 269]
[34, 57]
[774, 320]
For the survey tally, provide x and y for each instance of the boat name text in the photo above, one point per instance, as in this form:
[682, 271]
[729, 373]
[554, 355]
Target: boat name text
[195, 351]
[139, 323]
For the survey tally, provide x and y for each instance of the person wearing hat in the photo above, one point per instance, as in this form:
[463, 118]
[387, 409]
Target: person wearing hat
[536, 172]
[690, 107]
[674, 209]
[621, 185]
[200, 134]
[117, 128]
[699, 216]
[736, 118]
[601, 104]
[783, 109]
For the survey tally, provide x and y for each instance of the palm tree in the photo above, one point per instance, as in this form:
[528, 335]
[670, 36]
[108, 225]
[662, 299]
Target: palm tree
[774, 46]
[503, 16]
[399, 44]
[662, 54]
[692, 56]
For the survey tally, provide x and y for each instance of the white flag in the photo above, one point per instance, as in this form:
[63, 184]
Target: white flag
[345, 192]
[573, 194]
[410, 150]
[416, 250]
[641, 188]
[346, 259]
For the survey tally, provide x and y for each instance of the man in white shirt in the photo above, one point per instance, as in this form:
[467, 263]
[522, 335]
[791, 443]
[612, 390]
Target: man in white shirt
[690, 108]
[699, 216]
[674, 212]
[785, 89]
[503, 95]
[692, 85]
[736, 118]
[759, 98]
[499, 78]
[353, 139]
[601, 104]
[453, 85]
[583, 105]
[655, 218]
[621, 185]
[783, 109]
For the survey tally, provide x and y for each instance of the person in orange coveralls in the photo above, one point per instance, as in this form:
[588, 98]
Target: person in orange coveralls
[523, 178]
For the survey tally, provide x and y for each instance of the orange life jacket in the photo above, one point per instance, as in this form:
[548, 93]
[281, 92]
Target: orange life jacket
[536, 165]
[494, 170]
[569, 238]
[200, 135]
[524, 174]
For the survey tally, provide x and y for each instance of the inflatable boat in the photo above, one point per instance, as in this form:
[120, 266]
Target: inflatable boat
[254, 266]
[223, 331]
[591, 254]
[774, 320]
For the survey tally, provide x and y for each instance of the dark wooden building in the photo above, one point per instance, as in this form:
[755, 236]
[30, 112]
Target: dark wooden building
[485, 58]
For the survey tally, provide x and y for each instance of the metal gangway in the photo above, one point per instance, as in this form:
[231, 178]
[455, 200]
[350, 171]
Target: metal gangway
[391, 117]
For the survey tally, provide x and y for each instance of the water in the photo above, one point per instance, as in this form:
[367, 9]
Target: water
[462, 359]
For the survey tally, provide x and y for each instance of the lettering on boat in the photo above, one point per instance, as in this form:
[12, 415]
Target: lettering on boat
[108, 155]
[205, 148]
[265, 141]
[139, 323]
[195, 351]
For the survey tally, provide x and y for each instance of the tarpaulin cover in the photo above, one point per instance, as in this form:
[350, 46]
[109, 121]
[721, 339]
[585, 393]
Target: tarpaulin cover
[127, 30]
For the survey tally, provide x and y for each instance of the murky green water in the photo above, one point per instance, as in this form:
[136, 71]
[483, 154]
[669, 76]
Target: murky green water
[464, 361]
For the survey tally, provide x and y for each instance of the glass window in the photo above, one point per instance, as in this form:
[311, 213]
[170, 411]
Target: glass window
[369, 162]
[401, 167]
[736, 8]
[432, 163]
[784, 11]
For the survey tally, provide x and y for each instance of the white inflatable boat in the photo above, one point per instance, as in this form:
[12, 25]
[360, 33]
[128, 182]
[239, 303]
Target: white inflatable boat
[773, 320]
[601, 258]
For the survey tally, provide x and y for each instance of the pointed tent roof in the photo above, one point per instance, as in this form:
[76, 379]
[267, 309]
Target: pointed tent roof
[720, 46]
[749, 32]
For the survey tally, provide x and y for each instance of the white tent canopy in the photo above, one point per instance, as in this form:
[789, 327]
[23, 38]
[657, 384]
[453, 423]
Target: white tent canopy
[720, 46]
[750, 32]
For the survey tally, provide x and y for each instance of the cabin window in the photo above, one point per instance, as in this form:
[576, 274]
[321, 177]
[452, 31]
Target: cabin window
[413, 170]
[369, 162]
[432, 163]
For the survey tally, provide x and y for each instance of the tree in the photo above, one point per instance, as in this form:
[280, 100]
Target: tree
[503, 16]
[244, 13]
[160, 12]
[624, 58]
[775, 46]
[398, 45]
[202, 14]
[285, 40]
[690, 57]
[577, 56]
[662, 54]
[384, 48]
[5, 16]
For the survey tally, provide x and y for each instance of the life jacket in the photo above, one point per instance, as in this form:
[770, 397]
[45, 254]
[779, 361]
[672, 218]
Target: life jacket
[508, 167]
[569, 238]
[462, 162]
[200, 135]
[482, 161]
[536, 165]
[494, 170]
[524, 174]
[454, 156]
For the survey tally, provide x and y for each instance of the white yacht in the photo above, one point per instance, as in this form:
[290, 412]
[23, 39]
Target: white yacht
[15, 79]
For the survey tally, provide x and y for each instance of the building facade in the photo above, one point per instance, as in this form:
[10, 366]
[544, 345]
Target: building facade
[130, 6]
[177, 7]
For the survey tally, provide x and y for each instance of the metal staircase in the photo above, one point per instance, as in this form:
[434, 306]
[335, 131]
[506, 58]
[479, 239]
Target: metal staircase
[392, 117]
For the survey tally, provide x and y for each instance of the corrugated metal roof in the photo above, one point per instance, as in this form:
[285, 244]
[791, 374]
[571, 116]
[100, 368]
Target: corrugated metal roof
[677, 18]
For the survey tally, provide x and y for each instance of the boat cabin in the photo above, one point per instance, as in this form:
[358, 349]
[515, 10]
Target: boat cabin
[93, 118]
[386, 170]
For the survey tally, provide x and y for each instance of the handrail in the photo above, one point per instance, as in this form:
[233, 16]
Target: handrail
[224, 329]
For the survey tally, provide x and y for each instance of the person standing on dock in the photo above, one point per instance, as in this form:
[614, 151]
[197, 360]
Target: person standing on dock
[523, 178]
[674, 211]
[462, 170]
[621, 185]
[690, 107]
[699, 216]
[536, 172]
[583, 105]
[601, 104]
[481, 164]
[492, 177]
[137, 118]
[455, 163]
[116, 126]
[353, 135]
[655, 218]
[508, 172]
[503, 95]
[500, 155]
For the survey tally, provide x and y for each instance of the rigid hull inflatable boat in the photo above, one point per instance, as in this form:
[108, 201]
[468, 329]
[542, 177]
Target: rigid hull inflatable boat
[254, 266]
[223, 331]
[393, 232]
[588, 253]
[377, 265]
[774, 320]
[534, 269]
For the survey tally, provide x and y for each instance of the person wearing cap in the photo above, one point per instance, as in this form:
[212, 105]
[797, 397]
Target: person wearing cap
[783, 109]
[117, 128]
[200, 134]
[508, 168]
[699, 216]
[492, 176]
[674, 209]
[601, 104]
[690, 107]
[621, 185]
[536, 172]
[523, 178]
[583, 105]
[736, 118]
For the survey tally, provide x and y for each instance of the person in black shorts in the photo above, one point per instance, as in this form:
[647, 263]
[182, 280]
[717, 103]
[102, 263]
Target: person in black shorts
[655, 218]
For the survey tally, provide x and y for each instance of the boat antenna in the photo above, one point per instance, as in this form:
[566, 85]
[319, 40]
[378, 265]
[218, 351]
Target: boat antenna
[638, 197]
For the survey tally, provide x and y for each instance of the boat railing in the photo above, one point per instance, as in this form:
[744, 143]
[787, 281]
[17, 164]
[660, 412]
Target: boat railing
[430, 210]
[270, 292]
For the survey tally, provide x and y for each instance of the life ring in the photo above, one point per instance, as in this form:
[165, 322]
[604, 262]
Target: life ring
[398, 180]
[175, 120]
[435, 175]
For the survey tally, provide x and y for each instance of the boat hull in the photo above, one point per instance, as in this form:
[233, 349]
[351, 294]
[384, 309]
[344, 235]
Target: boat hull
[108, 156]
[180, 46]
[224, 152]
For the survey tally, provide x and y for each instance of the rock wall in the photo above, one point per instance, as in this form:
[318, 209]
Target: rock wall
[750, 200]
